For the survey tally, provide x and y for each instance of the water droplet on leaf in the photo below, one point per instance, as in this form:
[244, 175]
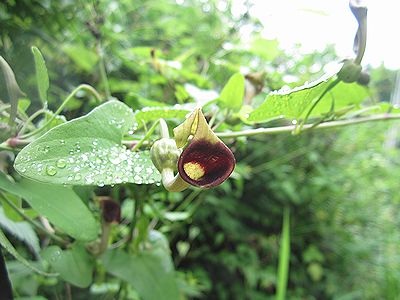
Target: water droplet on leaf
[51, 171]
[61, 163]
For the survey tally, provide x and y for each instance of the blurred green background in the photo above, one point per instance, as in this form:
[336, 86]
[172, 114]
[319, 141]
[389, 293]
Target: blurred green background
[340, 186]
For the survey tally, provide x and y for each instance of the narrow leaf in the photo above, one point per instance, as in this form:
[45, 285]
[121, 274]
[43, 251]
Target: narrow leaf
[14, 92]
[88, 151]
[233, 92]
[284, 257]
[5, 243]
[59, 204]
[42, 76]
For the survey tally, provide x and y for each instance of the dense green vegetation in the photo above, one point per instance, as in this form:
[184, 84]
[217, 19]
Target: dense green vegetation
[337, 187]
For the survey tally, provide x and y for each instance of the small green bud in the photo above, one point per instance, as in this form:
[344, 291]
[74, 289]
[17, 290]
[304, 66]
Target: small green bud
[165, 154]
[350, 72]
[364, 78]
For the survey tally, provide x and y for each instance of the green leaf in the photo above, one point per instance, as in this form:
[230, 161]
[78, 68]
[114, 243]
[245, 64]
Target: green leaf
[88, 151]
[42, 76]
[291, 104]
[74, 265]
[148, 114]
[5, 243]
[13, 90]
[344, 95]
[59, 204]
[148, 273]
[21, 230]
[84, 58]
[284, 257]
[266, 49]
[233, 92]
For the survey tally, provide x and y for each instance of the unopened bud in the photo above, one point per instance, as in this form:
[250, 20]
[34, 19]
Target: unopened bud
[350, 72]
[165, 154]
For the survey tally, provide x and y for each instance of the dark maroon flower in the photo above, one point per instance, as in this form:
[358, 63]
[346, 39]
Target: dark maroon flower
[206, 164]
[111, 211]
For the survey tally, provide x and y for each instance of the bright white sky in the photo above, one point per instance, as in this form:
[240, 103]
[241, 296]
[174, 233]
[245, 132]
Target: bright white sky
[316, 23]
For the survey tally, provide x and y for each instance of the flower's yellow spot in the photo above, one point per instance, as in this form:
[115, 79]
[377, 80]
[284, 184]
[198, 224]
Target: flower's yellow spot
[194, 170]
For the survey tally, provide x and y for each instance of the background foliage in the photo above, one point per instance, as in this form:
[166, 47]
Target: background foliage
[339, 186]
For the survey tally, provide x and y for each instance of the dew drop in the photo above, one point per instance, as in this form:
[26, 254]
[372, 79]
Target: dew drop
[46, 149]
[23, 170]
[51, 171]
[100, 184]
[61, 163]
[78, 177]
[62, 142]
[89, 179]
[114, 160]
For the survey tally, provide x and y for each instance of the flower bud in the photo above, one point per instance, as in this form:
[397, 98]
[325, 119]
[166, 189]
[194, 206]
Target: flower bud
[364, 78]
[111, 211]
[164, 154]
[350, 72]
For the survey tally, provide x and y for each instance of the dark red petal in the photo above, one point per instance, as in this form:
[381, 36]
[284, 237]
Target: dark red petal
[216, 160]
[111, 211]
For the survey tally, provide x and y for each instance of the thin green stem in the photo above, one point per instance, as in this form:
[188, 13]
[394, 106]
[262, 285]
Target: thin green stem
[290, 128]
[213, 118]
[185, 203]
[31, 118]
[86, 87]
[134, 217]
[32, 222]
[147, 136]
[164, 132]
[105, 236]
[103, 71]
[280, 160]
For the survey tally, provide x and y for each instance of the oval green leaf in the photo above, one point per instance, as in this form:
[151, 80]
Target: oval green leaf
[88, 151]
[59, 204]
[233, 92]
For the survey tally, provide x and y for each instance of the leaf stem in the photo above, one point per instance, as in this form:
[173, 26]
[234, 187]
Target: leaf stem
[86, 87]
[147, 136]
[31, 118]
[103, 71]
[291, 128]
[32, 222]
